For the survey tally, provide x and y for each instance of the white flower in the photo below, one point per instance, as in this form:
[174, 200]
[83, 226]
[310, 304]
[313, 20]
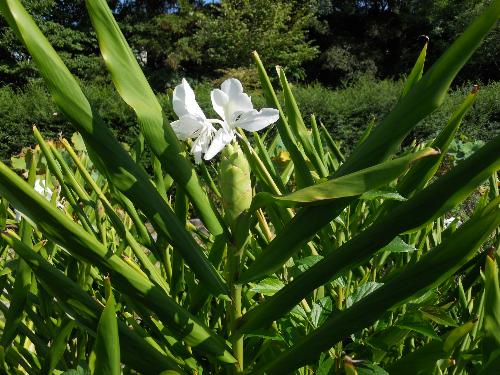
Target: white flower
[42, 189]
[231, 104]
[236, 110]
[447, 222]
[192, 121]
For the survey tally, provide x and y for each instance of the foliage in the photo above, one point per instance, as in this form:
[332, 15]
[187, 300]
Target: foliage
[33, 106]
[276, 29]
[67, 26]
[334, 260]
[345, 111]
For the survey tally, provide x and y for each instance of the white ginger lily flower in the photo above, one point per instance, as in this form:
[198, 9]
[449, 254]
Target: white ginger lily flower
[231, 104]
[42, 189]
[192, 121]
[236, 110]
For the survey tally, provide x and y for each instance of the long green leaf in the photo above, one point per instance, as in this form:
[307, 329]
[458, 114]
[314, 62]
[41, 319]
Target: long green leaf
[136, 92]
[58, 347]
[298, 127]
[424, 170]
[424, 207]
[349, 185]
[59, 228]
[302, 173]
[107, 344]
[106, 152]
[434, 268]
[417, 71]
[22, 283]
[491, 324]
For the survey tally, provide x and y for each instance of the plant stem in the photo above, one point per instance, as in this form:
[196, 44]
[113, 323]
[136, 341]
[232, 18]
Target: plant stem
[236, 314]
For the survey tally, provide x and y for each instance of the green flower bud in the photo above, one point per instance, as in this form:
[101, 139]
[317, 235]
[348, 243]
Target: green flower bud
[235, 184]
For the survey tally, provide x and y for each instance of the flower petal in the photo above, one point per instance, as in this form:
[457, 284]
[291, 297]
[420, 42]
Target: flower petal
[256, 120]
[219, 102]
[232, 87]
[184, 101]
[237, 105]
[197, 149]
[221, 139]
[188, 126]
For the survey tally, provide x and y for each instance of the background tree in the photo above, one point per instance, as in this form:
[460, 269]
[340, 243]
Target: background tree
[66, 24]
[381, 36]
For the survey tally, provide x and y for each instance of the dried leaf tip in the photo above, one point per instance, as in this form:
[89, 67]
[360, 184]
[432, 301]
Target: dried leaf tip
[425, 38]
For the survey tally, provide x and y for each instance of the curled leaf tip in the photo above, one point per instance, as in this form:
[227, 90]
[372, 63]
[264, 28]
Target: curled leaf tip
[424, 37]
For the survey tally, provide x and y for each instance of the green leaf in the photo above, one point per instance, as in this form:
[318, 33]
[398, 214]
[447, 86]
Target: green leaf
[415, 322]
[303, 175]
[22, 283]
[268, 286]
[438, 315]
[298, 127]
[58, 346]
[424, 170]
[346, 186]
[491, 323]
[423, 360]
[361, 292]
[320, 311]
[417, 71]
[107, 344]
[397, 245]
[136, 92]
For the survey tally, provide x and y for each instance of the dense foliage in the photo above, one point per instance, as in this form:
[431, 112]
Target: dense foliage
[346, 111]
[283, 255]
[330, 40]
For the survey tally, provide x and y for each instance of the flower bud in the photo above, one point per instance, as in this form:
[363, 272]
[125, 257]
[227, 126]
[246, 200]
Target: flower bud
[235, 184]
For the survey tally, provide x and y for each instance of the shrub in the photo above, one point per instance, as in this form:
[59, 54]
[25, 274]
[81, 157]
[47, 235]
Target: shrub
[346, 112]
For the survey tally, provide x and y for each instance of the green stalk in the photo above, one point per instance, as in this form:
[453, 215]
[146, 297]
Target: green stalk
[86, 310]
